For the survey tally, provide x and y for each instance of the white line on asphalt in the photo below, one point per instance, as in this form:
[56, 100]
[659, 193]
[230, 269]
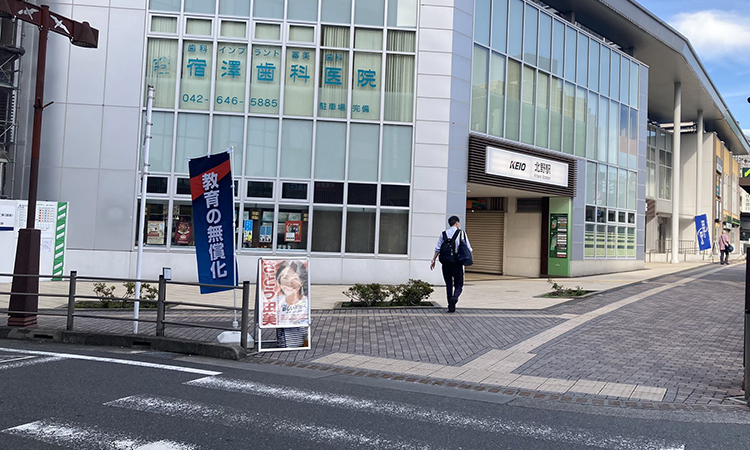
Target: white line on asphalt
[28, 361]
[71, 435]
[575, 436]
[126, 362]
[231, 418]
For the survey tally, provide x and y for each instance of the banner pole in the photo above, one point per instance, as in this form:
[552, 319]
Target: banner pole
[235, 324]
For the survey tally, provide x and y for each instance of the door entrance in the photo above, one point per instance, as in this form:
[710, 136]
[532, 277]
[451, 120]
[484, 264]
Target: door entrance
[486, 230]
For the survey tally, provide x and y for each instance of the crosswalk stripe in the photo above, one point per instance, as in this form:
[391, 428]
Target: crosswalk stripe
[576, 436]
[71, 435]
[225, 416]
[28, 361]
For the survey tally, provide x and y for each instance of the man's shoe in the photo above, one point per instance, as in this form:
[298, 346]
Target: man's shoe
[451, 305]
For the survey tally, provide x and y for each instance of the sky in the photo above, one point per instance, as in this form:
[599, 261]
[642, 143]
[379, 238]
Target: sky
[719, 31]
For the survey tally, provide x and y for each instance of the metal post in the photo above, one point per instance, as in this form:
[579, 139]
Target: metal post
[71, 299]
[142, 209]
[245, 308]
[746, 387]
[676, 163]
[160, 306]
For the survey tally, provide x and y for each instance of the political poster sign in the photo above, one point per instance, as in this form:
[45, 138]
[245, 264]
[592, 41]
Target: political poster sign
[701, 230]
[211, 191]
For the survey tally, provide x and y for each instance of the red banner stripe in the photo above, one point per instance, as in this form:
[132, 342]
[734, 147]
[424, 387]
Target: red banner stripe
[196, 183]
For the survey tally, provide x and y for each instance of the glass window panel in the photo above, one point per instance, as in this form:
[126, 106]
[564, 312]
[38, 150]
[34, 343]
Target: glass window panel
[296, 148]
[200, 6]
[268, 31]
[622, 160]
[230, 28]
[328, 192]
[269, 9]
[266, 78]
[397, 144]
[336, 11]
[515, 31]
[294, 191]
[542, 110]
[260, 189]
[362, 194]
[198, 27]
[157, 185]
[368, 39]
[622, 188]
[291, 228]
[594, 65]
[569, 118]
[604, 71]
[651, 184]
[335, 36]
[262, 147]
[614, 80]
[590, 183]
[631, 217]
[301, 34]
[394, 232]
[558, 47]
[634, 84]
[555, 125]
[299, 86]
[589, 240]
[162, 70]
[527, 105]
[479, 89]
[633, 141]
[612, 187]
[401, 41]
[624, 80]
[326, 229]
[601, 215]
[601, 129]
[363, 152]
[195, 85]
[497, 95]
[182, 188]
[631, 242]
[499, 24]
[545, 42]
[230, 77]
[583, 61]
[482, 21]
[257, 226]
[183, 234]
[612, 215]
[591, 210]
[370, 12]
[570, 53]
[591, 121]
[611, 241]
[601, 241]
[529, 46]
[192, 139]
[156, 222]
[163, 24]
[621, 242]
[621, 216]
[302, 10]
[402, 13]
[601, 185]
[330, 150]
[399, 88]
[366, 86]
[614, 116]
[513, 112]
[394, 195]
[334, 83]
[160, 151]
[360, 230]
[165, 5]
[234, 8]
[580, 115]
[632, 186]
[228, 132]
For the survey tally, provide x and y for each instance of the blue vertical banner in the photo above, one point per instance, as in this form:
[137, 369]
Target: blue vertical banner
[701, 230]
[211, 190]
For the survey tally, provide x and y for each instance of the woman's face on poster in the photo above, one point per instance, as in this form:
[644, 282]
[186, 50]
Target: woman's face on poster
[289, 282]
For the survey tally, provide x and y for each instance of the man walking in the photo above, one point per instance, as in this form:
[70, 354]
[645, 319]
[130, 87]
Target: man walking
[453, 270]
[724, 247]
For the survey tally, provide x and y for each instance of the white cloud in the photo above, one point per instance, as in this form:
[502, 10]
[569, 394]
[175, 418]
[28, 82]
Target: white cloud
[715, 34]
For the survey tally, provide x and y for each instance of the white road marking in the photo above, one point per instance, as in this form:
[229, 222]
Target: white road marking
[232, 418]
[71, 435]
[28, 361]
[576, 436]
[126, 362]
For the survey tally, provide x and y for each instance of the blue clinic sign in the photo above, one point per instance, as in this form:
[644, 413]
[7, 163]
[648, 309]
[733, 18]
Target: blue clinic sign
[211, 190]
[701, 230]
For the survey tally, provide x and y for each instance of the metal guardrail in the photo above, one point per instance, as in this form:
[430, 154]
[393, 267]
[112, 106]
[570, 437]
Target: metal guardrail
[161, 303]
[684, 246]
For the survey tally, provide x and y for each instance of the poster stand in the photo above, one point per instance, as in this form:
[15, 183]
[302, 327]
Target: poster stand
[267, 293]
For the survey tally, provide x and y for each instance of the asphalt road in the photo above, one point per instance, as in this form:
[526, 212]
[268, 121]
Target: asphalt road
[56, 396]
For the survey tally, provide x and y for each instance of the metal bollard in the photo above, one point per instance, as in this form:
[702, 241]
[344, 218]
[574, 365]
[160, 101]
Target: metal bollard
[245, 308]
[71, 299]
[160, 306]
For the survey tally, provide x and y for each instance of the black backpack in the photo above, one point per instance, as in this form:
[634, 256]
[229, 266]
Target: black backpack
[447, 253]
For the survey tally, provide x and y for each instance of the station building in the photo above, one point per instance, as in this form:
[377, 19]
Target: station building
[566, 134]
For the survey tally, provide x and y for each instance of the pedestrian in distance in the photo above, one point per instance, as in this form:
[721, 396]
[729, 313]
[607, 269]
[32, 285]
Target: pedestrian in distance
[453, 270]
[724, 248]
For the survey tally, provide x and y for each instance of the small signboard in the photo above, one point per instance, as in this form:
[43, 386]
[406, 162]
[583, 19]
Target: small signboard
[701, 230]
[558, 236]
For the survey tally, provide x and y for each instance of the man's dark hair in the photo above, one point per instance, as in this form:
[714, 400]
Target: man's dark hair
[452, 220]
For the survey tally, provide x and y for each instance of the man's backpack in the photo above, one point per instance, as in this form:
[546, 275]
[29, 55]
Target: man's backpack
[447, 253]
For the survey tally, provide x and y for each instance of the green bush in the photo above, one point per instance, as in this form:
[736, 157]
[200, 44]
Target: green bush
[376, 294]
[411, 293]
[369, 294]
[106, 293]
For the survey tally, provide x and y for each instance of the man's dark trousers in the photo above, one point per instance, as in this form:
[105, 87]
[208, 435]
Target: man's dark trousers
[453, 274]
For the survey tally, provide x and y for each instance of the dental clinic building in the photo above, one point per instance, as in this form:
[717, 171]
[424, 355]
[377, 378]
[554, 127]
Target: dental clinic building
[366, 124]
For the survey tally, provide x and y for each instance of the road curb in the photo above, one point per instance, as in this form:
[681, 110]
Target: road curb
[223, 351]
